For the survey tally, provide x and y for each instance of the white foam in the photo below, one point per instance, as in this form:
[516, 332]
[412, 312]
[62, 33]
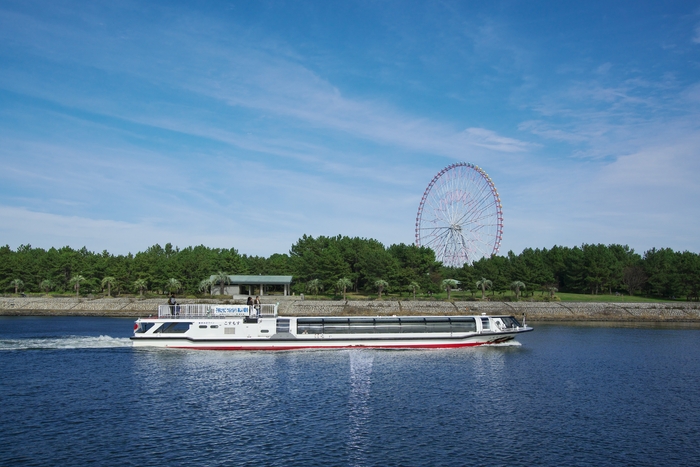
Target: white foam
[65, 342]
[506, 344]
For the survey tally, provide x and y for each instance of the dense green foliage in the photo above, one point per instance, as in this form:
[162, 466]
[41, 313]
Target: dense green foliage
[334, 265]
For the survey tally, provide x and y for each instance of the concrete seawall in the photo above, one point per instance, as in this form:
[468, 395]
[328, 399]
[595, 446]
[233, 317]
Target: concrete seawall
[535, 311]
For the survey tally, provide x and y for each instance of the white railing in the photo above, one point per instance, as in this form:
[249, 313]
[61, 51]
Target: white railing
[189, 310]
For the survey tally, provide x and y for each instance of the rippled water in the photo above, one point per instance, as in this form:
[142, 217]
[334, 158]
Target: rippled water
[74, 392]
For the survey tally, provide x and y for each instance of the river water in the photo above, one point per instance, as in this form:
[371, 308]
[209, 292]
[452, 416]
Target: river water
[74, 392]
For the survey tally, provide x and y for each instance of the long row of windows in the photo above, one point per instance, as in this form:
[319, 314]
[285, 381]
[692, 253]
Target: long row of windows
[384, 325]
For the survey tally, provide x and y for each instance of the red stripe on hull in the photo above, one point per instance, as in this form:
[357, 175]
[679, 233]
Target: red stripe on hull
[306, 347]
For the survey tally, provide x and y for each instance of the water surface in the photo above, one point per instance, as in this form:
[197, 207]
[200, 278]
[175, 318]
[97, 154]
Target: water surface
[74, 392]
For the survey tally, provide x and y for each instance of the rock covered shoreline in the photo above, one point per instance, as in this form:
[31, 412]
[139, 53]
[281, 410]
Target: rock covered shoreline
[292, 306]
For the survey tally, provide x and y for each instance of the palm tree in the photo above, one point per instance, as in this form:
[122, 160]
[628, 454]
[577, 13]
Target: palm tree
[109, 281]
[46, 285]
[17, 284]
[516, 286]
[142, 285]
[173, 284]
[313, 286]
[448, 284]
[413, 286]
[343, 283]
[381, 284]
[223, 279]
[75, 282]
[484, 284]
[205, 285]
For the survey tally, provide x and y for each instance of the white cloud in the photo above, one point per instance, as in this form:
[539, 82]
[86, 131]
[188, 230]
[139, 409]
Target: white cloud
[244, 73]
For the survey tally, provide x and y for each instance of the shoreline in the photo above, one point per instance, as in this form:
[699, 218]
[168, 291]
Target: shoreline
[293, 306]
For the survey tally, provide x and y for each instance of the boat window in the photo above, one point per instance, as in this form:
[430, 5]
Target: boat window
[438, 324]
[214, 326]
[485, 324]
[361, 326]
[202, 326]
[310, 326]
[387, 325]
[336, 326]
[412, 325]
[144, 327]
[177, 327]
[335, 320]
[463, 324]
[511, 322]
[282, 325]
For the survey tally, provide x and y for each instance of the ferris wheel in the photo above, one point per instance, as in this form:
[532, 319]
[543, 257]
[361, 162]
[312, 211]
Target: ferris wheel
[460, 216]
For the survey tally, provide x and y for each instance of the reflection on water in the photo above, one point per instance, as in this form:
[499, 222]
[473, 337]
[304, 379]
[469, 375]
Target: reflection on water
[358, 405]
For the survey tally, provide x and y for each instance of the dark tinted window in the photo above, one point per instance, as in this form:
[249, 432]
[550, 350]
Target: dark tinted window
[511, 322]
[177, 327]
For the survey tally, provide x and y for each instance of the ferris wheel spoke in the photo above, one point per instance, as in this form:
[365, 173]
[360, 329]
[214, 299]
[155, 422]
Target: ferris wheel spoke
[476, 216]
[470, 217]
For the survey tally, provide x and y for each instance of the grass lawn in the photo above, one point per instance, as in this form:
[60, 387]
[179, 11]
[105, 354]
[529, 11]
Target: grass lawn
[462, 296]
[575, 297]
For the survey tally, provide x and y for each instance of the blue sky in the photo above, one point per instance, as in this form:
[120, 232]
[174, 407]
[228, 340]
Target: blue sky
[248, 124]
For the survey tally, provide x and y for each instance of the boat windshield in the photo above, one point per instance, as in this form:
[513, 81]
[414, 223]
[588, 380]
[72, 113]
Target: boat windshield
[510, 322]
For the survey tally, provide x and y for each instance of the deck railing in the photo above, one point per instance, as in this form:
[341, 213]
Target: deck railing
[196, 310]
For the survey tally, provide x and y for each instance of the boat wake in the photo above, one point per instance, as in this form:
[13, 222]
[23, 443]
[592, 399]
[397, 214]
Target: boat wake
[65, 342]
[511, 343]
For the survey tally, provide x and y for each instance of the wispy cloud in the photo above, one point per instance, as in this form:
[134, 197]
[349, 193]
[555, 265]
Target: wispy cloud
[257, 75]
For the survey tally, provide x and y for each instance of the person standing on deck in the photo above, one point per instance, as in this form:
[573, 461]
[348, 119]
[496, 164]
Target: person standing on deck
[250, 305]
[172, 303]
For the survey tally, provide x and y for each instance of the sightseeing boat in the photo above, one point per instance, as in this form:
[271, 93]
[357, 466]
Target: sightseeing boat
[242, 327]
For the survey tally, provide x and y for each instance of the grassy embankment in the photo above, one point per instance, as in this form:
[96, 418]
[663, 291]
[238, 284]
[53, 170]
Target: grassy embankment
[507, 296]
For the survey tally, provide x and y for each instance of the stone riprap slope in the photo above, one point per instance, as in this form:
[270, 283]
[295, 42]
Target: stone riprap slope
[293, 306]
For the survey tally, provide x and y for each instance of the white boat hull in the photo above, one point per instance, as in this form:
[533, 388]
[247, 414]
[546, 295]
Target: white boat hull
[291, 333]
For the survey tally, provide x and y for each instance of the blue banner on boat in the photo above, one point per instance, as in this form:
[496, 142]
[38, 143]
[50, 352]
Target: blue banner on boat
[230, 310]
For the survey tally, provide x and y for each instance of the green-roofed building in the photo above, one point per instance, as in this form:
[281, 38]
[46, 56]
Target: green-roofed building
[253, 285]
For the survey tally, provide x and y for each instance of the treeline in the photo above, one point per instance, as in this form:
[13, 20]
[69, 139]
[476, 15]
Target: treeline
[326, 264]
[593, 269]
